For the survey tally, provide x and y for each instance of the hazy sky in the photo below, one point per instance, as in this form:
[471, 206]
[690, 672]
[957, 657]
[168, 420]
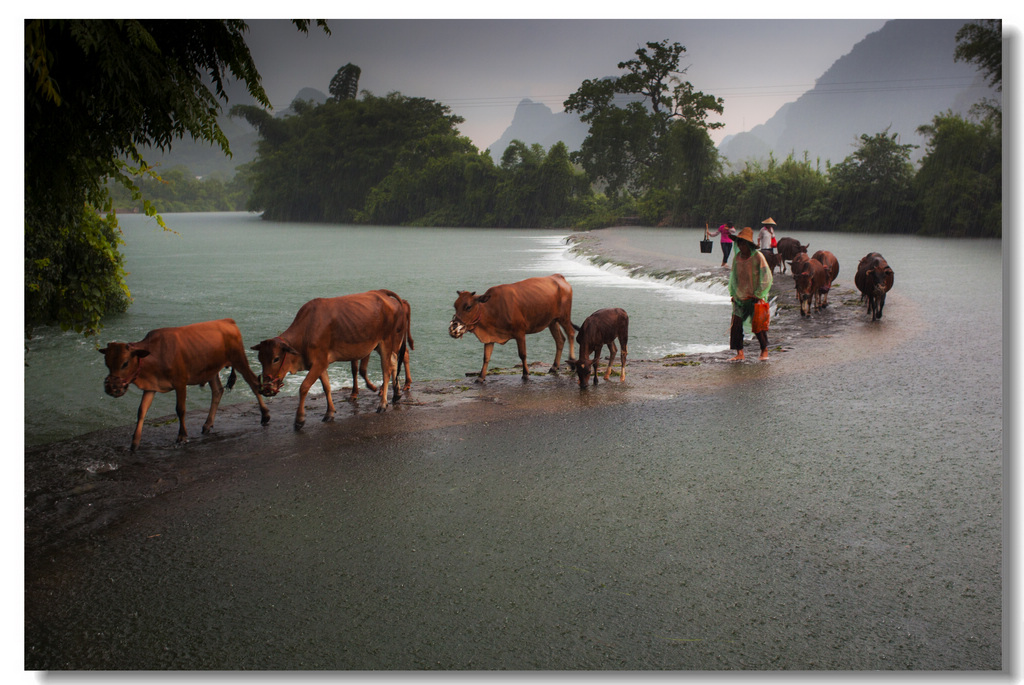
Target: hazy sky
[482, 68]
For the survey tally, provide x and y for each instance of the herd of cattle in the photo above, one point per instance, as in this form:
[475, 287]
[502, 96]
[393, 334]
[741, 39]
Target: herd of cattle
[351, 327]
[814, 276]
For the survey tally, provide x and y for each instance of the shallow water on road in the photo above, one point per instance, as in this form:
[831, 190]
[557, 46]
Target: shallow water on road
[837, 508]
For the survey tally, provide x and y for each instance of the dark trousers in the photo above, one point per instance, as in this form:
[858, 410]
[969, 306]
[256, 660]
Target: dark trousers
[736, 335]
[726, 249]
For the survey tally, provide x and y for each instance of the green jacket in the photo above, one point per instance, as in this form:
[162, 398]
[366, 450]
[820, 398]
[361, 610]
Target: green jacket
[761, 278]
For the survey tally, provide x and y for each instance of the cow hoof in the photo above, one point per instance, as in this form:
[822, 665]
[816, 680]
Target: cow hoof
[300, 424]
[265, 419]
[207, 429]
[328, 418]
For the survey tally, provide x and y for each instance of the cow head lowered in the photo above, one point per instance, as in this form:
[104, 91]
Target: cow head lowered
[278, 359]
[467, 313]
[874, 278]
[804, 291]
[123, 360]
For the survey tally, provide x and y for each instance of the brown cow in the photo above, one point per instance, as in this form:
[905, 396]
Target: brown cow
[174, 358]
[326, 330]
[831, 264]
[874, 278]
[515, 310]
[359, 368]
[799, 263]
[774, 260]
[809, 284]
[789, 248]
[599, 329]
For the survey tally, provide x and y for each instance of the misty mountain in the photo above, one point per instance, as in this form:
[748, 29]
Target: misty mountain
[534, 122]
[895, 79]
[308, 95]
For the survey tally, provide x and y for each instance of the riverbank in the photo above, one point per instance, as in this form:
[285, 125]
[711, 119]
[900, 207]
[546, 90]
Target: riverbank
[687, 518]
[64, 480]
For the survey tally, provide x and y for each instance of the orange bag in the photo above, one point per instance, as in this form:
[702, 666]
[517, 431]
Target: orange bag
[762, 313]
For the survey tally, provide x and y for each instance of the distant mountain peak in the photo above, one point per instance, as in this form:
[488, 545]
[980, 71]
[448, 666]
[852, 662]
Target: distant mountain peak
[535, 122]
[897, 79]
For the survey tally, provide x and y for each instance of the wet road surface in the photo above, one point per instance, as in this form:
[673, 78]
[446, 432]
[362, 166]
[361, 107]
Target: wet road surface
[665, 523]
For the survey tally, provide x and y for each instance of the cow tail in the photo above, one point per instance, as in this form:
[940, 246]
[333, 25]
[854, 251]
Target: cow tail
[231, 379]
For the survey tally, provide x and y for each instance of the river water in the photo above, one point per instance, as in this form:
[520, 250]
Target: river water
[259, 273]
[840, 507]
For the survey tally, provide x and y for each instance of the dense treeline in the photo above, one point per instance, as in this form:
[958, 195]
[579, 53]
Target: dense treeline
[177, 190]
[444, 181]
[401, 160]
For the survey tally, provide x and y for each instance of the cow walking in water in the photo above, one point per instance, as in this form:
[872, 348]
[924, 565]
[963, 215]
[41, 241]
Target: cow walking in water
[789, 248]
[513, 311]
[175, 358]
[601, 328]
[327, 330]
[359, 368]
[811, 281]
[874, 278]
[831, 264]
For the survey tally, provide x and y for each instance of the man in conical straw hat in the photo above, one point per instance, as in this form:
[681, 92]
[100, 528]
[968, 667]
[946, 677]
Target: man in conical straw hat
[766, 236]
[749, 282]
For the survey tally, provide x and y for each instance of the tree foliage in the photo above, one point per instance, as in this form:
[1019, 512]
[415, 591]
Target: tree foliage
[401, 160]
[322, 163]
[96, 92]
[442, 181]
[628, 148]
[345, 84]
[959, 184]
[178, 190]
[872, 189]
[982, 43]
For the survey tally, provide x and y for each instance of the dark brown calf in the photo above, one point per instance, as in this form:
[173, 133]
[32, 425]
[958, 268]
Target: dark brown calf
[601, 328]
[874, 278]
[774, 260]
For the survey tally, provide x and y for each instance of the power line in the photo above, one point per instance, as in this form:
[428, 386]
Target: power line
[793, 90]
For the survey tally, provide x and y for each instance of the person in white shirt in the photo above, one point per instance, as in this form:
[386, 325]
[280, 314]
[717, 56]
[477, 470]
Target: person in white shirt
[766, 236]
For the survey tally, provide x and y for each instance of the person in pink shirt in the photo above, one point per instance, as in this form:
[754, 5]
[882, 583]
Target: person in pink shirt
[726, 231]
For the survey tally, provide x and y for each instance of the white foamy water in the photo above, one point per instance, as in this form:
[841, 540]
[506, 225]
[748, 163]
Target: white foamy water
[554, 254]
